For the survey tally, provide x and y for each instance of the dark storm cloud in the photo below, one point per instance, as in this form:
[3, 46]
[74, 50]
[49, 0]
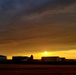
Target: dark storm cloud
[38, 22]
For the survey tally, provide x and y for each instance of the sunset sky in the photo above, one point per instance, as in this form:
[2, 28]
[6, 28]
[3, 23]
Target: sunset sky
[35, 26]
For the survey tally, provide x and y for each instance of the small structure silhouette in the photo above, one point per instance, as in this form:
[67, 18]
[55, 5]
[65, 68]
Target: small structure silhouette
[3, 58]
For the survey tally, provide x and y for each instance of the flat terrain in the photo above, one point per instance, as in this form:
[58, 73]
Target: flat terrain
[31, 69]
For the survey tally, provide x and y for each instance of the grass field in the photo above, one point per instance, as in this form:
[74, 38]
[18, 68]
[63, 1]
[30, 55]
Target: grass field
[31, 69]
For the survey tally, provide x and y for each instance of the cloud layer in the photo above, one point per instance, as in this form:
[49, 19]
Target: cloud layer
[37, 24]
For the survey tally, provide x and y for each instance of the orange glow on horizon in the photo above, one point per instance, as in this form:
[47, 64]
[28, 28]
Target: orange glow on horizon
[70, 54]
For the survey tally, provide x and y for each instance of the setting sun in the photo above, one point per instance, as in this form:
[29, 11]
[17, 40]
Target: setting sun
[45, 53]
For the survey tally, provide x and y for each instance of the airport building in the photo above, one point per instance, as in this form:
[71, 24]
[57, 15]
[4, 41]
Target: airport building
[50, 59]
[22, 58]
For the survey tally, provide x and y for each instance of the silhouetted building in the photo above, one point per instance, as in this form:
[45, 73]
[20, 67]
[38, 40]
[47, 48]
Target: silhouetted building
[70, 60]
[62, 59]
[49, 59]
[30, 58]
[20, 58]
[3, 58]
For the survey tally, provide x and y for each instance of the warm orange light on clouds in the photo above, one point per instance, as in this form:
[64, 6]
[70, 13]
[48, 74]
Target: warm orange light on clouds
[31, 27]
[69, 54]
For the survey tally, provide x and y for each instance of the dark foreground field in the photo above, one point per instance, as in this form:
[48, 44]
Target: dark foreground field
[31, 69]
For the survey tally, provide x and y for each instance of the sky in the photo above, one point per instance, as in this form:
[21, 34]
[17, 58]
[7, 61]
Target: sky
[35, 26]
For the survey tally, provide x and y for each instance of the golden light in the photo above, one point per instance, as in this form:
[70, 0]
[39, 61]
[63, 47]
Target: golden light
[45, 53]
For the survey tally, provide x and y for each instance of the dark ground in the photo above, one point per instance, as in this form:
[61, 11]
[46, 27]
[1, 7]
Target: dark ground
[37, 69]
